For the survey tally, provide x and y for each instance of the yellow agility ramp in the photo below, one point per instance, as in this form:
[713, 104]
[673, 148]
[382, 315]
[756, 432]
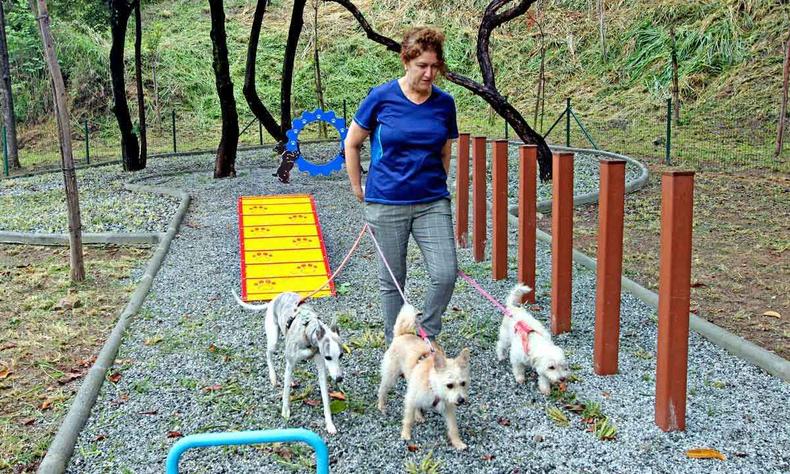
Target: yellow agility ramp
[282, 247]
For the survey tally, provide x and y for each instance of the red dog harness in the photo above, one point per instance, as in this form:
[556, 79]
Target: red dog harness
[523, 329]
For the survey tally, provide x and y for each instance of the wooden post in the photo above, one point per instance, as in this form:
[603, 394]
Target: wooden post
[561, 242]
[674, 289]
[478, 198]
[499, 217]
[609, 268]
[527, 203]
[462, 191]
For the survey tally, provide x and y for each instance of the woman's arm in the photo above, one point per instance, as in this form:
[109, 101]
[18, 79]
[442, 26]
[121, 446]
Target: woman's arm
[354, 139]
[447, 150]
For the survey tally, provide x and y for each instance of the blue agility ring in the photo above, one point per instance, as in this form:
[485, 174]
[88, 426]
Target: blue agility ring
[308, 117]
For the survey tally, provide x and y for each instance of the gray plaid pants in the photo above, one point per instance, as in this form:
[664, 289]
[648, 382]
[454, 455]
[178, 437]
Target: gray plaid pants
[431, 225]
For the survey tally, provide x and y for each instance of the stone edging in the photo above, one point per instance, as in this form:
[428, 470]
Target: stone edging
[62, 446]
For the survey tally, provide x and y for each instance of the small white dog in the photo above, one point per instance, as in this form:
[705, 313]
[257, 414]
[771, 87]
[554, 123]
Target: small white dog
[535, 349]
[434, 381]
[306, 337]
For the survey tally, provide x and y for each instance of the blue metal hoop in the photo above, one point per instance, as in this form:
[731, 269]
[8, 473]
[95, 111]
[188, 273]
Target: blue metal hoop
[308, 117]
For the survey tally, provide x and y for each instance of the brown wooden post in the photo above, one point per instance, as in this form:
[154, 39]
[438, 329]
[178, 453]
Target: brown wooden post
[527, 203]
[561, 242]
[499, 217]
[478, 198]
[462, 191]
[609, 268]
[674, 289]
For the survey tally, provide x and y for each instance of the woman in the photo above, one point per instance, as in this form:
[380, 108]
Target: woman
[412, 125]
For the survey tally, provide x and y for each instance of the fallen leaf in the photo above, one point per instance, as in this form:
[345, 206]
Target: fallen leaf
[456, 308]
[698, 284]
[153, 340]
[174, 434]
[70, 377]
[47, 404]
[115, 377]
[772, 314]
[311, 402]
[212, 348]
[149, 412]
[86, 362]
[503, 421]
[337, 395]
[10, 345]
[122, 398]
[412, 447]
[574, 407]
[100, 437]
[5, 372]
[346, 348]
[705, 453]
[606, 394]
[487, 457]
[212, 388]
[563, 386]
[28, 421]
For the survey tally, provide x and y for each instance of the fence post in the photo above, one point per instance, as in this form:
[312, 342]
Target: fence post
[499, 211]
[175, 148]
[568, 122]
[674, 292]
[260, 132]
[561, 242]
[610, 264]
[527, 194]
[478, 198]
[5, 152]
[462, 191]
[667, 158]
[87, 144]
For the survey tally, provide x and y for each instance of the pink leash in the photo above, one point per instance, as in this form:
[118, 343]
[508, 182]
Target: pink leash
[340, 267]
[420, 330]
[521, 328]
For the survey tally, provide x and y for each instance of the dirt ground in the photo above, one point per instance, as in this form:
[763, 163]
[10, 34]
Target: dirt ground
[741, 250]
[50, 333]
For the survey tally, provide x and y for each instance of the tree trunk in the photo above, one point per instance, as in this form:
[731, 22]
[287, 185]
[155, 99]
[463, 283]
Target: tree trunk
[675, 86]
[780, 130]
[319, 89]
[138, 71]
[602, 28]
[225, 163]
[540, 97]
[294, 30]
[64, 128]
[120, 11]
[8, 96]
[250, 93]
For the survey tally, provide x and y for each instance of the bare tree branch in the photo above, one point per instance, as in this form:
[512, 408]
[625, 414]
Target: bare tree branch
[487, 90]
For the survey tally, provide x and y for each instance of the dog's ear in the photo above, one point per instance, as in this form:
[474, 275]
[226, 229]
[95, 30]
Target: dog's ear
[439, 362]
[319, 333]
[333, 325]
[463, 357]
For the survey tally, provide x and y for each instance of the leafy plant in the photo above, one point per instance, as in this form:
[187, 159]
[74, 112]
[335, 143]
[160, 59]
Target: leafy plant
[428, 465]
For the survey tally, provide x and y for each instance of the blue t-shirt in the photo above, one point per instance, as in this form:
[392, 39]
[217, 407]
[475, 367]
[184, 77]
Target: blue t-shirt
[406, 144]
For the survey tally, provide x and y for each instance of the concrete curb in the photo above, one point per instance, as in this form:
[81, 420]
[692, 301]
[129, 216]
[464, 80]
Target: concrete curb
[735, 345]
[592, 197]
[132, 238]
[62, 446]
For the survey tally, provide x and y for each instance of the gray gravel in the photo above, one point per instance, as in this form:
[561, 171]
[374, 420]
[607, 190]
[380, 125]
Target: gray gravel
[190, 335]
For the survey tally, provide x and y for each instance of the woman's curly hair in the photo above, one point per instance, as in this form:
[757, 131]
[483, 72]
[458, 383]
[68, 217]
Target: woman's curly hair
[420, 39]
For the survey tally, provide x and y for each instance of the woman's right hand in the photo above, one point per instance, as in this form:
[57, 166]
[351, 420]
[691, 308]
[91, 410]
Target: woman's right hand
[357, 190]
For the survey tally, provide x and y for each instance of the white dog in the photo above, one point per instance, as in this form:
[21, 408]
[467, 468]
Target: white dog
[306, 336]
[434, 381]
[535, 348]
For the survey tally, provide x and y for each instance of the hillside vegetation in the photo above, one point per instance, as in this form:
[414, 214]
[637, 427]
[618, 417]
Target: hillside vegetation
[730, 56]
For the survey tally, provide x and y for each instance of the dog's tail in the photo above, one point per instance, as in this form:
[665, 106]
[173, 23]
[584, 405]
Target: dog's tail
[253, 307]
[406, 322]
[516, 294]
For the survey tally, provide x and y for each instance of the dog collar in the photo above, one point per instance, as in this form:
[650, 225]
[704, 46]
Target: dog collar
[523, 329]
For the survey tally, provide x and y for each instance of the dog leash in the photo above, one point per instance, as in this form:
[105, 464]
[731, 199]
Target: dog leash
[521, 327]
[340, 267]
[420, 331]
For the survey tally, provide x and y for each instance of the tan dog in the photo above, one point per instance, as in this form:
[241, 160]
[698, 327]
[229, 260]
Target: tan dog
[434, 381]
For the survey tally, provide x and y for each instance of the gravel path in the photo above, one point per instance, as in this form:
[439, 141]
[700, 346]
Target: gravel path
[194, 362]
